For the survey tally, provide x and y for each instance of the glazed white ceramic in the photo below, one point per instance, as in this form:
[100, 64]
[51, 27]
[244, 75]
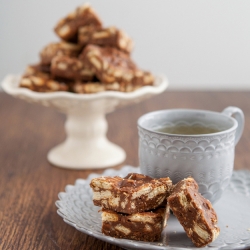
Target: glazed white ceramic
[208, 158]
[76, 207]
[86, 145]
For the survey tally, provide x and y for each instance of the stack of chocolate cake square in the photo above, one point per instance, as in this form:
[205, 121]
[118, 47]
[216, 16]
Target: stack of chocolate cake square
[89, 58]
[133, 207]
[137, 207]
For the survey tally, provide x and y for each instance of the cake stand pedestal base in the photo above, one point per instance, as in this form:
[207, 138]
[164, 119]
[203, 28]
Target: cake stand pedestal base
[86, 145]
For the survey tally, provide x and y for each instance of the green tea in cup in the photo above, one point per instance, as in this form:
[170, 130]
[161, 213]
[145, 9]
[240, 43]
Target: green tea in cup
[187, 130]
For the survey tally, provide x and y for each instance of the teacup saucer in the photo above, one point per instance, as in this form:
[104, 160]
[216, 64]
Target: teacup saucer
[76, 208]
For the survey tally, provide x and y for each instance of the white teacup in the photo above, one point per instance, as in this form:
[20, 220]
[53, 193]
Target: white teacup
[207, 157]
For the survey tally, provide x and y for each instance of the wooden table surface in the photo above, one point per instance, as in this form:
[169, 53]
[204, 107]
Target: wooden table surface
[29, 185]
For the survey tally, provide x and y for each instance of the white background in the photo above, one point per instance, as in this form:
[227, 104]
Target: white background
[198, 44]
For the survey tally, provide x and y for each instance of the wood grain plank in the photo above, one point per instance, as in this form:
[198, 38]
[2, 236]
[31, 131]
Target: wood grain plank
[29, 185]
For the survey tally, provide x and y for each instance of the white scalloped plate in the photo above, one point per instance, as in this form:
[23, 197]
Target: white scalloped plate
[76, 208]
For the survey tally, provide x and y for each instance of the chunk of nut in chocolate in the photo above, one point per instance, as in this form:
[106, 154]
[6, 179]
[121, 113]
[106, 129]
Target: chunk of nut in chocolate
[194, 212]
[88, 87]
[70, 68]
[112, 65]
[132, 194]
[41, 82]
[111, 36]
[67, 28]
[144, 226]
[58, 49]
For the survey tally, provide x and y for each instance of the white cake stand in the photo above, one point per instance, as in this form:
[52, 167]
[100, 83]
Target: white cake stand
[86, 145]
